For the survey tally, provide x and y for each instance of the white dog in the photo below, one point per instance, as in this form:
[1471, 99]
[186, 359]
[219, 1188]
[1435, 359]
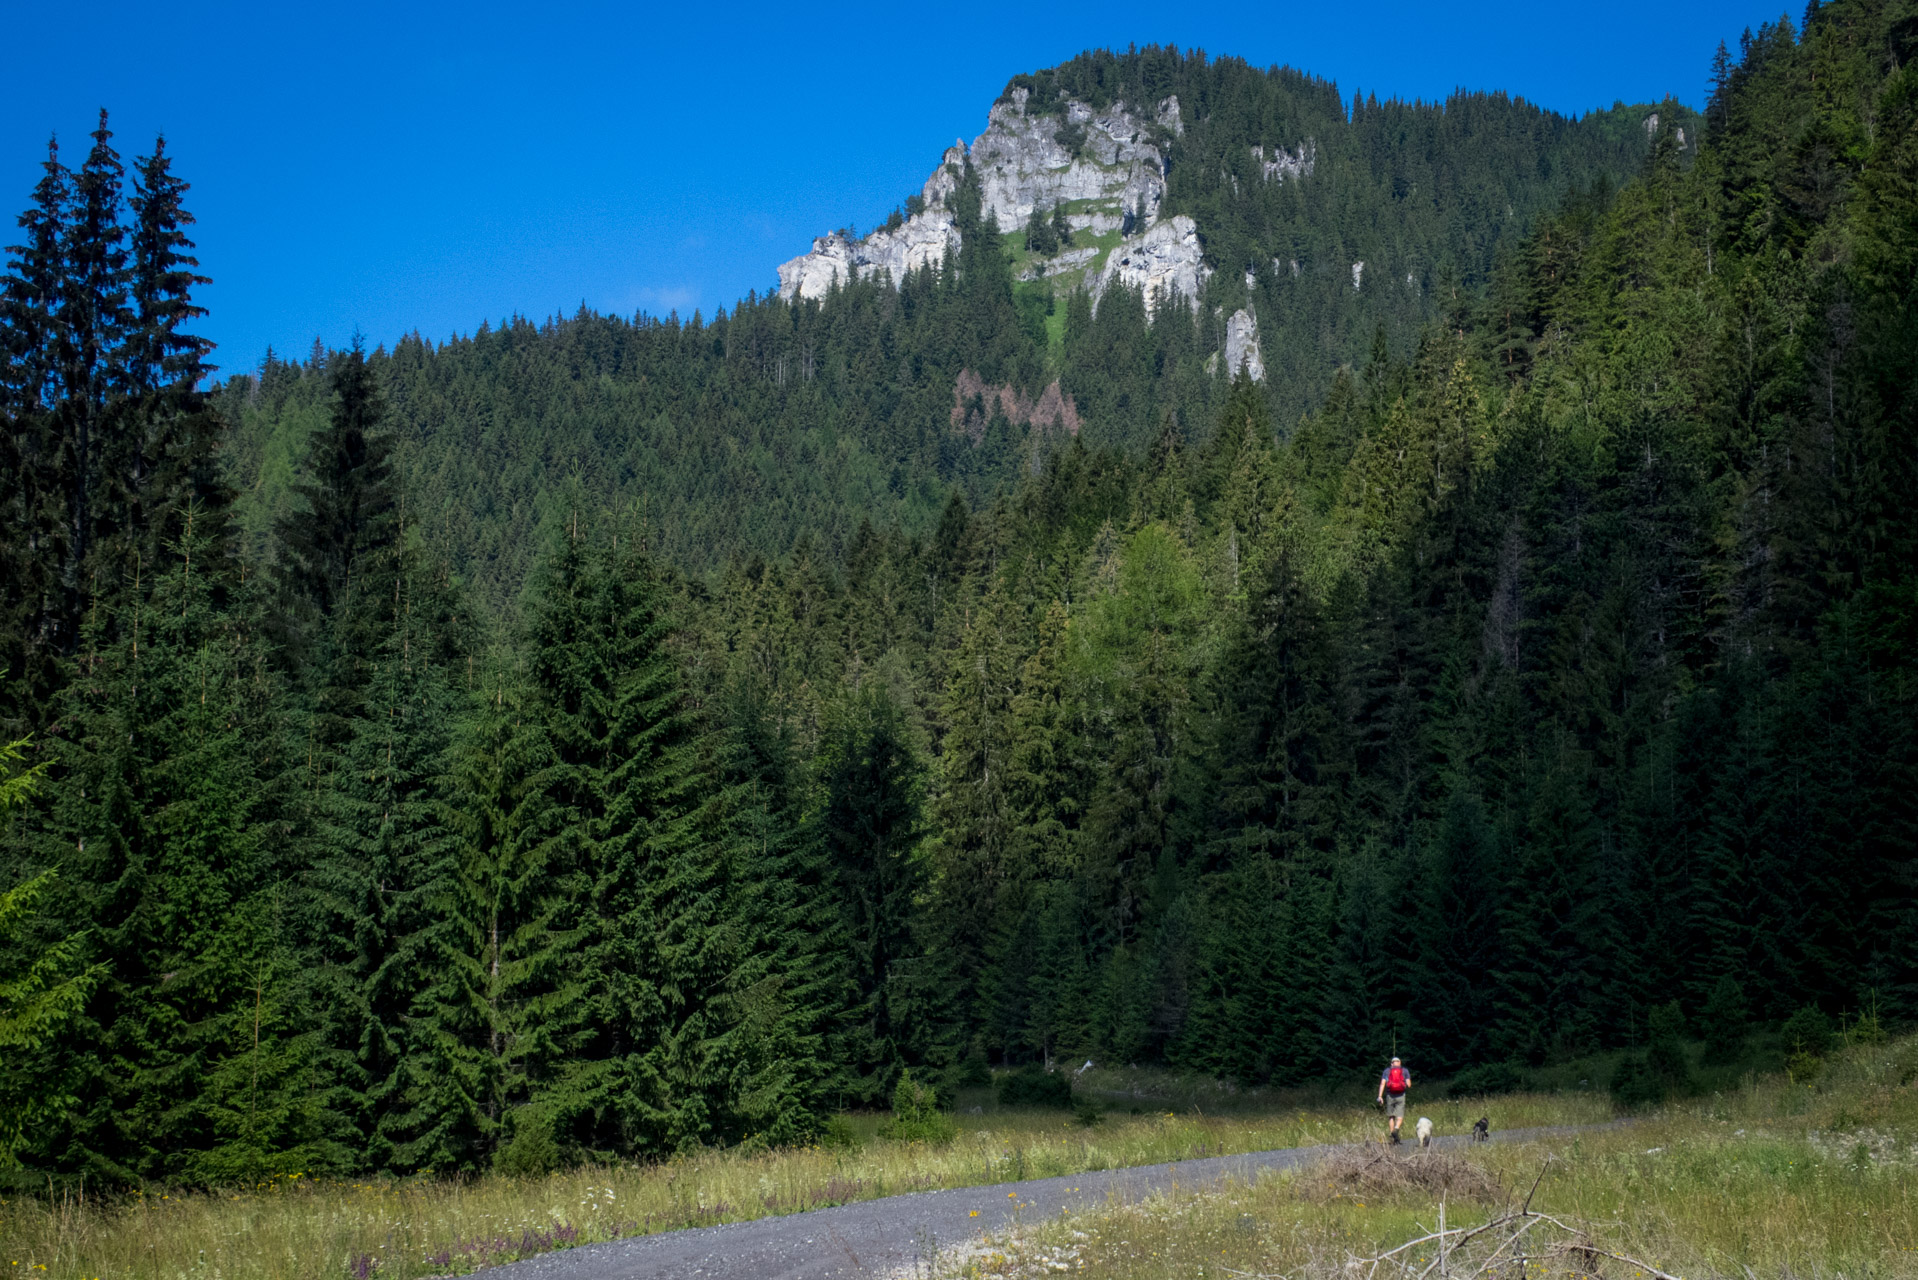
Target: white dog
[1425, 1132]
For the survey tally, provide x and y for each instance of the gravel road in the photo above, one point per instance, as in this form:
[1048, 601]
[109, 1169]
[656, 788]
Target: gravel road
[873, 1238]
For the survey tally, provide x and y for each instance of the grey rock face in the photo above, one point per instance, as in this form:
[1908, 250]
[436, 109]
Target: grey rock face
[922, 240]
[1165, 261]
[945, 179]
[1024, 162]
[1242, 345]
[1113, 170]
[1098, 224]
[1070, 260]
[815, 274]
[1283, 164]
[1168, 116]
[1107, 165]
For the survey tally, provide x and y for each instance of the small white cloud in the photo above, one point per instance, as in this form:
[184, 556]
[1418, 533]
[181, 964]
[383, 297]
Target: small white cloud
[681, 298]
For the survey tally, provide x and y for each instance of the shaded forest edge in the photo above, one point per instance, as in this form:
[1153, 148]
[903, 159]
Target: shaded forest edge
[1546, 688]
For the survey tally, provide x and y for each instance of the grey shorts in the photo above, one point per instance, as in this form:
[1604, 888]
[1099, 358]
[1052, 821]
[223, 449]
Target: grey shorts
[1395, 1106]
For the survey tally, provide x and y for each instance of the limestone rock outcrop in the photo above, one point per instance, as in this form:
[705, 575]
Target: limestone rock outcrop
[1283, 164]
[1070, 260]
[1242, 345]
[1168, 116]
[815, 274]
[1029, 160]
[1106, 164]
[921, 240]
[1167, 260]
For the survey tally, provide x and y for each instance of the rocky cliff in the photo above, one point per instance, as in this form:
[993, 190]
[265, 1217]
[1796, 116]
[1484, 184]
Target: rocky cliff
[1105, 164]
[1242, 346]
[1165, 261]
[1106, 168]
[891, 252]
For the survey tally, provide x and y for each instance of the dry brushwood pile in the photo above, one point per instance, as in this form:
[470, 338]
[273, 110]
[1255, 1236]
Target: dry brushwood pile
[1371, 1171]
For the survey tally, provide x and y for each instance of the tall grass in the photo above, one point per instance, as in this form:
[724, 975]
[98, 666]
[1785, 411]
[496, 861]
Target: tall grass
[302, 1228]
[1784, 1178]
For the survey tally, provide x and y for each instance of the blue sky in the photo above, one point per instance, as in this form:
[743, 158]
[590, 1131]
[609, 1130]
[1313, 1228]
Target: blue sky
[386, 168]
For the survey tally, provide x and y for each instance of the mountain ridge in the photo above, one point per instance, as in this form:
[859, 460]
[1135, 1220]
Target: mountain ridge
[1295, 226]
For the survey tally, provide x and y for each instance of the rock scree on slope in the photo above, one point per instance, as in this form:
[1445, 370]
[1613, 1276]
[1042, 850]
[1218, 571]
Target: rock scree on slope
[872, 1239]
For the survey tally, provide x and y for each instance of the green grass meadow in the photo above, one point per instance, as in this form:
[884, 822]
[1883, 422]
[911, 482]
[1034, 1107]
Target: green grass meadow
[1769, 1177]
[1792, 1178]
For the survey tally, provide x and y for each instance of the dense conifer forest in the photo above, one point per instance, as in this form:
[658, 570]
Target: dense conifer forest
[752, 429]
[1527, 661]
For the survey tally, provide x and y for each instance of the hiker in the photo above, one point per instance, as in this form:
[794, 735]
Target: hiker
[1392, 1087]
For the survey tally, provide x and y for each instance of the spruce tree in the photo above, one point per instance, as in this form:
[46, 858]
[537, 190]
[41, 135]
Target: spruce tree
[159, 352]
[43, 980]
[1136, 663]
[643, 1044]
[1166, 491]
[94, 321]
[335, 569]
[973, 871]
[1457, 940]
[1366, 975]
[381, 884]
[32, 485]
[192, 1058]
[165, 458]
[1067, 926]
[1043, 787]
[1548, 982]
[34, 291]
[1042, 237]
[868, 823]
[497, 971]
[791, 984]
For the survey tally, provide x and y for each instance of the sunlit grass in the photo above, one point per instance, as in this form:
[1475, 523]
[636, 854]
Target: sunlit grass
[294, 1228]
[1773, 1176]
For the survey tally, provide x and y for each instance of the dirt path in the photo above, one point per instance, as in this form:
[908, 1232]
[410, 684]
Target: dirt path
[874, 1238]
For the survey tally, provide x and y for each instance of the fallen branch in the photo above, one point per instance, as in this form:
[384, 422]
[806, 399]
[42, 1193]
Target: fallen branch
[1485, 1267]
[1509, 1230]
[1646, 1267]
[1526, 1208]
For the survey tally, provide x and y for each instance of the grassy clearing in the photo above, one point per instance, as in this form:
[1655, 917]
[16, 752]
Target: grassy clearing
[301, 1228]
[1019, 258]
[1774, 1176]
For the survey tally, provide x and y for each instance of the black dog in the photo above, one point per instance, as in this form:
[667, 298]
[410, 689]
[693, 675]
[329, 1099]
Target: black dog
[1482, 1131]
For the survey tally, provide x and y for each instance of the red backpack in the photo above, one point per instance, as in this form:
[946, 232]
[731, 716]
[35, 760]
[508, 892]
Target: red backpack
[1395, 1081]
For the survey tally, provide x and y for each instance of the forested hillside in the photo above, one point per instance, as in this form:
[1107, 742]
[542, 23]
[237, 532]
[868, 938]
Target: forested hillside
[777, 421]
[1555, 672]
